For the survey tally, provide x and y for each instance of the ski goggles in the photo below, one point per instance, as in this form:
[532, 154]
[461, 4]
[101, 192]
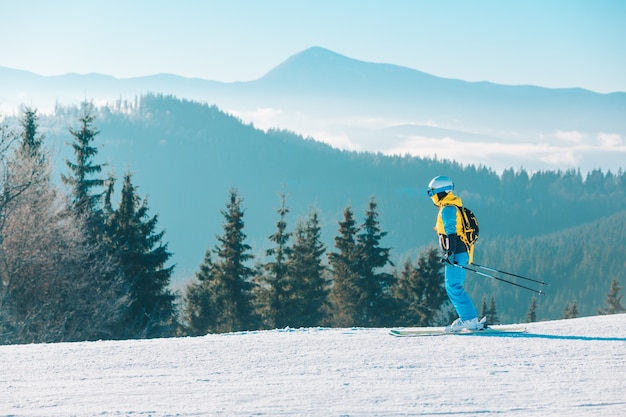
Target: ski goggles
[432, 191]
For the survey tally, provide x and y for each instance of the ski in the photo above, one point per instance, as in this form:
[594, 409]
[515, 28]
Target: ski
[440, 331]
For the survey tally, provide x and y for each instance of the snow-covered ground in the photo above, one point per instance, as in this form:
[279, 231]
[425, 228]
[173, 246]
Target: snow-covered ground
[559, 368]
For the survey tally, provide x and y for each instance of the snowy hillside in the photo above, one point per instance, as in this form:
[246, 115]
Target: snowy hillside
[559, 368]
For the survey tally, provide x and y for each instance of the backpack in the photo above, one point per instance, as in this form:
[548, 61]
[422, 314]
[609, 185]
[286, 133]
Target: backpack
[470, 225]
[470, 229]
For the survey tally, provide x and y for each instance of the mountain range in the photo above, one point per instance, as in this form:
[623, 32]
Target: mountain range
[379, 107]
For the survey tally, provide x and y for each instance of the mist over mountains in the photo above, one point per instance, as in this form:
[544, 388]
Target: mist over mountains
[356, 105]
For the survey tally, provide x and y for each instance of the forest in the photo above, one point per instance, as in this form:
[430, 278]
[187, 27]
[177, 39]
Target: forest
[81, 261]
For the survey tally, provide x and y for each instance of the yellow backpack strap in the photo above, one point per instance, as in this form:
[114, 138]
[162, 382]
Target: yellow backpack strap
[470, 253]
[463, 236]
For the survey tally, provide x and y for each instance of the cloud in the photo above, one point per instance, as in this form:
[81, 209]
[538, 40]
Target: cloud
[609, 140]
[334, 132]
[571, 136]
[338, 141]
[264, 118]
[562, 158]
[497, 155]
[450, 148]
[380, 122]
[557, 149]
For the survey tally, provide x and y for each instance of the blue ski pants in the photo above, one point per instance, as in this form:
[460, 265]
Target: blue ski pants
[454, 279]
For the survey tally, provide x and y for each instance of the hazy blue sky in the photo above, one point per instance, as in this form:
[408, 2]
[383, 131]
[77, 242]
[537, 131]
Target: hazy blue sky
[555, 43]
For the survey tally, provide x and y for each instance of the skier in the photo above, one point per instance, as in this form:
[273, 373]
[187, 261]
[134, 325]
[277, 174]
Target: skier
[449, 226]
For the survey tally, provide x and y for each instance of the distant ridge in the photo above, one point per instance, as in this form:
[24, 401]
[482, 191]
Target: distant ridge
[319, 68]
[351, 104]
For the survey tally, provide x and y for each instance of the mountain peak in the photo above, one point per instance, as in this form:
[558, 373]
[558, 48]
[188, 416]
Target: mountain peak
[310, 62]
[318, 68]
[318, 53]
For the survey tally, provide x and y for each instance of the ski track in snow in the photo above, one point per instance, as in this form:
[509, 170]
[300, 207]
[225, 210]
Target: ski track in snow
[560, 368]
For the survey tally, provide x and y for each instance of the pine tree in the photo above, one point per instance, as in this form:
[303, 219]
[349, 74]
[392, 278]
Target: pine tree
[435, 297]
[492, 315]
[570, 311]
[199, 313]
[406, 293]
[274, 291]
[613, 300]
[419, 291]
[226, 279]
[373, 284]
[32, 140]
[142, 257]
[309, 299]
[360, 293]
[82, 180]
[531, 316]
[484, 310]
[344, 268]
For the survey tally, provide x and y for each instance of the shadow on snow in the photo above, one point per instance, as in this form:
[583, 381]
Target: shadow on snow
[547, 336]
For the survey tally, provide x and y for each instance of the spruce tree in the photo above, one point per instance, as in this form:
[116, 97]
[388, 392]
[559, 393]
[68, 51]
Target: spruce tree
[274, 291]
[375, 303]
[492, 315]
[570, 311]
[309, 296]
[142, 256]
[229, 283]
[32, 140]
[484, 310]
[405, 292]
[531, 316]
[613, 300]
[419, 291]
[434, 296]
[344, 268]
[83, 178]
[199, 311]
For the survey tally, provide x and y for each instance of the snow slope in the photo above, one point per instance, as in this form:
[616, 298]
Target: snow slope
[560, 368]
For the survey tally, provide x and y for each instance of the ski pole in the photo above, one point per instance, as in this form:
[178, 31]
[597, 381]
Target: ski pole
[509, 273]
[540, 292]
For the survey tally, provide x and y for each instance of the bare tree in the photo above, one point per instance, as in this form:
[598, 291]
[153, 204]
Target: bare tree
[10, 186]
[49, 292]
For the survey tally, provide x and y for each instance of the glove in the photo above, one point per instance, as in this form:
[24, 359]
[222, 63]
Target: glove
[449, 243]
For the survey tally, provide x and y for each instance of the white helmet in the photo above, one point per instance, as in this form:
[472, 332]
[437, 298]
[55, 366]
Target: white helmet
[440, 184]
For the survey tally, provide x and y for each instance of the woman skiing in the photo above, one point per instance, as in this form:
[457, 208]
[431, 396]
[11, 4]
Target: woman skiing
[449, 228]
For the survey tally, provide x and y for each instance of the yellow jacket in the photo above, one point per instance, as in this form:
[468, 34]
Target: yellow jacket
[449, 221]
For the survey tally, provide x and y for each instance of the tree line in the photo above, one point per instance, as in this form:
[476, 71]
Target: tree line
[82, 263]
[300, 284]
